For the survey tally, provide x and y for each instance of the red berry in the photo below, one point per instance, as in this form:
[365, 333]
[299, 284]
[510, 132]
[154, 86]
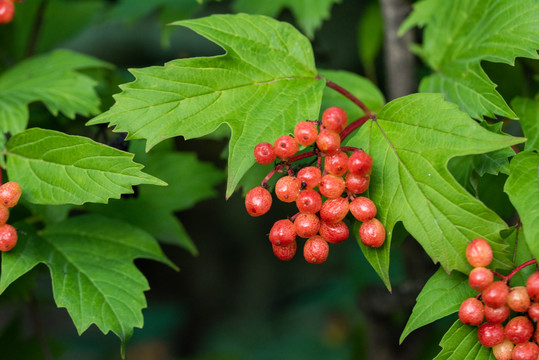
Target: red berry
[309, 177]
[282, 233]
[285, 147]
[331, 186]
[4, 214]
[309, 201]
[525, 351]
[7, 10]
[532, 285]
[334, 210]
[495, 295]
[496, 315]
[360, 163]
[8, 237]
[363, 208]
[357, 183]
[471, 312]
[533, 311]
[328, 141]
[480, 278]
[490, 335]
[337, 163]
[307, 225]
[287, 189]
[503, 351]
[305, 133]
[316, 250]
[518, 299]
[258, 201]
[10, 193]
[519, 329]
[334, 233]
[334, 119]
[372, 233]
[479, 253]
[286, 252]
[264, 153]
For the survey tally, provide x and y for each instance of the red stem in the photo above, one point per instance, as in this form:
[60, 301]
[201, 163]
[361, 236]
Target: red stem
[354, 125]
[348, 95]
[508, 277]
[301, 156]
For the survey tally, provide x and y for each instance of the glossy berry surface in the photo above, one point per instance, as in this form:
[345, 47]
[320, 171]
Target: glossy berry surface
[282, 233]
[331, 186]
[328, 141]
[503, 351]
[285, 147]
[357, 183]
[496, 315]
[287, 252]
[471, 312]
[360, 163]
[4, 214]
[518, 299]
[480, 278]
[495, 295]
[490, 335]
[7, 11]
[309, 201]
[316, 250]
[309, 177]
[525, 351]
[532, 286]
[519, 329]
[334, 119]
[264, 153]
[533, 311]
[8, 237]
[307, 225]
[287, 189]
[334, 210]
[479, 253]
[305, 133]
[372, 233]
[362, 208]
[258, 201]
[10, 193]
[334, 233]
[337, 163]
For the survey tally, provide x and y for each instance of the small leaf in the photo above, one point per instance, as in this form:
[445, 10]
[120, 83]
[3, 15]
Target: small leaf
[91, 264]
[522, 186]
[460, 343]
[260, 88]
[51, 79]
[447, 292]
[55, 168]
[528, 112]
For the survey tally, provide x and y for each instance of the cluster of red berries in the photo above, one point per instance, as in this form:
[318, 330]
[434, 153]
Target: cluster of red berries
[7, 10]
[10, 194]
[323, 198]
[498, 304]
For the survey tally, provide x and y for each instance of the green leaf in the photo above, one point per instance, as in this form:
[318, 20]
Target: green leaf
[528, 112]
[361, 87]
[264, 83]
[55, 168]
[410, 181]
[444, 291]
[91, 264]
[460, 34]
[370, 37]
[522, 186]
[460, 343]
[51, 79]
[309, 14]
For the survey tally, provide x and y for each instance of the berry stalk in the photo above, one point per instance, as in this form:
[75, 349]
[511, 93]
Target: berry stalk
[348, 95]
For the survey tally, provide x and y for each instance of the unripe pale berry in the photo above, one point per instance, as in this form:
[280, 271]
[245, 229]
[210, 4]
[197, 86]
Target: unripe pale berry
[503, 351]
[8, 237]
[282, 233]
[331, 186]
[334, 233]
[372, 233]
[490, 335]
[334, 119]
[525, 351]
[286, 252]
[309, 201]
[480, 278]
[328, 141]
[479, 253]
[362, 208]
[316, 250]
[519, 329]
[264, 153]
[518, 299]
[495, 295]
[309, 177]
[334, 210]
[471, 312]
[258, 201]
[307, 225]
[285, 147]
[337, 163]
[287, 189]
[532, 286]
[305, 133]
[10, 193]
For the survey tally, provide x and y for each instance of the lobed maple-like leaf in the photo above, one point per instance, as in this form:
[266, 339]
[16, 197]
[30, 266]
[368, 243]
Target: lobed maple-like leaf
[522, 186]
[55, 168]
[460, 343]
[309, 14]
[90, 259]
[52, 79]
[459, 34]
[446, 291]
[411, 144]
[264, 84]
